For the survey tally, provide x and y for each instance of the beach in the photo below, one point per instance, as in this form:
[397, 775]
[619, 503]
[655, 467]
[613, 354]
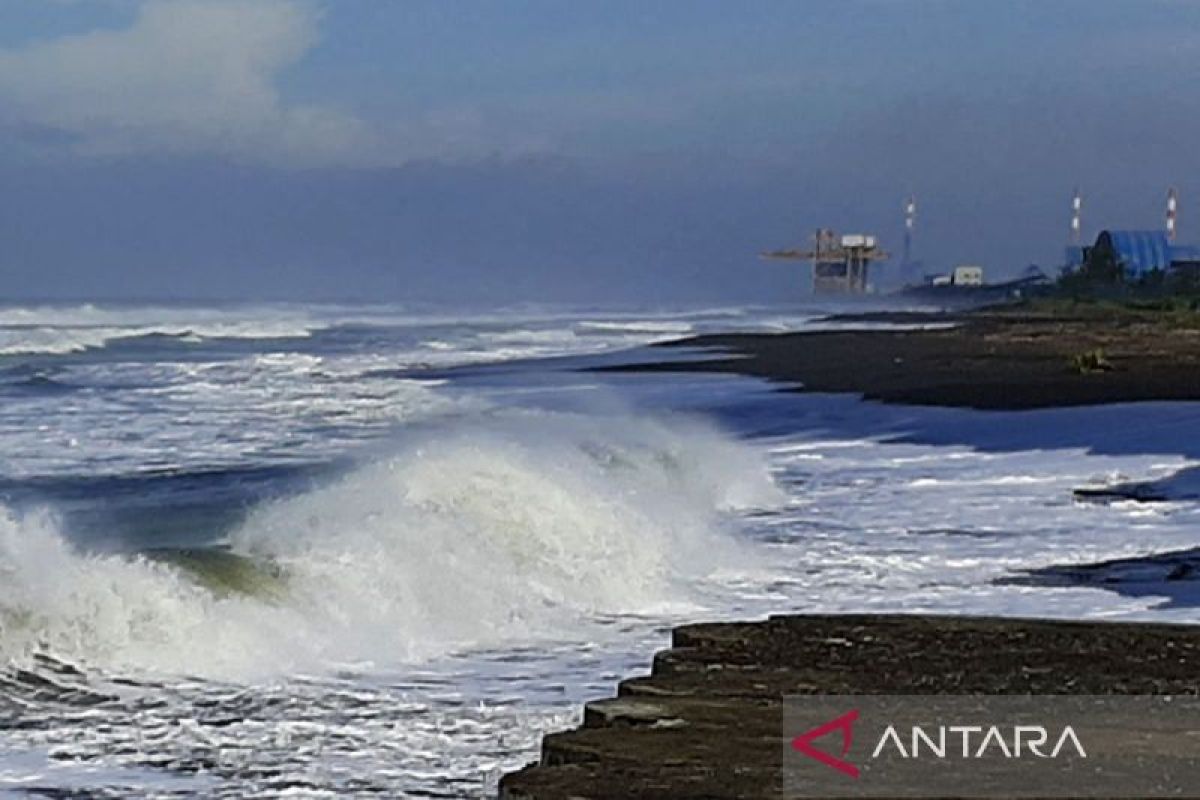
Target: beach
[370, 551]
[1002, 359]
[708, 720]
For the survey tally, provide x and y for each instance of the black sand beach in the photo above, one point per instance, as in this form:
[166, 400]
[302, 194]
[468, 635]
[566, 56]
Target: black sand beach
[1003, 359]
[707, 721]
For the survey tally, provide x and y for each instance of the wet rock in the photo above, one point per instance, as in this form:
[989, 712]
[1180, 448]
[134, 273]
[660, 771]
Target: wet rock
[1173, 576]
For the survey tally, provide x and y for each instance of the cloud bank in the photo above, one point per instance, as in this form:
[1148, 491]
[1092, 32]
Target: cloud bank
[187, 77]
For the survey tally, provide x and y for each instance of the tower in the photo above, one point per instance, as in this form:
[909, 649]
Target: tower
[1172, 207]
[1075, 251]
[910, 220]
[1076, 218]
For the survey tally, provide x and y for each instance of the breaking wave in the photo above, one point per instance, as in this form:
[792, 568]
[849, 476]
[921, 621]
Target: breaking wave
[64, 340]
[469, 537]
[59, 330]
[668, 327]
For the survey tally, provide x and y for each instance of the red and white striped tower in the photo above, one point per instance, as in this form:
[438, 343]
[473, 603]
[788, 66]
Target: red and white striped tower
[1172, 208]
[1076, 217]
[910, 220]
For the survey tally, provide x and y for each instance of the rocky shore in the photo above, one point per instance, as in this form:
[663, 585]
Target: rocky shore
[1000, 359]
[707, 721]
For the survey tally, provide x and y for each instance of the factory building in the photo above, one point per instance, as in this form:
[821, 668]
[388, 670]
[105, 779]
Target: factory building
[1142, 251]
[963, 275]
[1138, 251]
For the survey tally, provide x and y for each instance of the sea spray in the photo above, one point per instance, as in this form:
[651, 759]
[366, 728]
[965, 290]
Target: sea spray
[465, 536]
[519, 529]
[119, 612]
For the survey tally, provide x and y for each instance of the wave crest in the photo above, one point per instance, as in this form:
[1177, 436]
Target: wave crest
[469, 537]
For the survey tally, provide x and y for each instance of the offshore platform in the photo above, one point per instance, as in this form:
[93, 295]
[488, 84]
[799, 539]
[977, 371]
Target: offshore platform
[840, 264]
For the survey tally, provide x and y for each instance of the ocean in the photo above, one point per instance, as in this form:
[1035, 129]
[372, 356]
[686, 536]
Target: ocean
[330, 551]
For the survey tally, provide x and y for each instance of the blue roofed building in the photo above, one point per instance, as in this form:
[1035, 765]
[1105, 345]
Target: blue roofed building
[1138, 252]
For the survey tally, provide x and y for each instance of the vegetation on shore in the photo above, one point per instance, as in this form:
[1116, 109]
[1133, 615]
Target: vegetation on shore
[1103, 290]
[1168, 312]
[1091, 361]
[1101, 279]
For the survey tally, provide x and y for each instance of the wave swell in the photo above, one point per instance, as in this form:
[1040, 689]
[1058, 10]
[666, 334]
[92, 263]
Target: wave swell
[466, 537]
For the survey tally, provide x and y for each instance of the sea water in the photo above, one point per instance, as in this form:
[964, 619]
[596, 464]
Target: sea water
[318, 551]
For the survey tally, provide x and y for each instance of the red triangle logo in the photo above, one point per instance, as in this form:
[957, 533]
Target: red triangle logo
[845, 724]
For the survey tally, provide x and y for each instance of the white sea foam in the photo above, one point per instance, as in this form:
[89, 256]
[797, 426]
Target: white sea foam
[1181, 485]
[651, 326]
[472, 583]
[317, 380]
[70, 329]
[879, 525]
[124, 418]
[481, 336]
[109, 610]
[467, 538]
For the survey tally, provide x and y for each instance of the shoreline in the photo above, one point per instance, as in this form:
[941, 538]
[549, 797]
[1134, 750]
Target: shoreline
[991, 359]
[707, 722]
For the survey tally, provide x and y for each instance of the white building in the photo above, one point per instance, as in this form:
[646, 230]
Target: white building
[968, 275]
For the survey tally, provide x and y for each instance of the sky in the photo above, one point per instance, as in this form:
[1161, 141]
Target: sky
[627, 151]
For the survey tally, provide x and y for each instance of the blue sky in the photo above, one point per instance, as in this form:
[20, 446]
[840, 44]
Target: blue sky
[624, 151]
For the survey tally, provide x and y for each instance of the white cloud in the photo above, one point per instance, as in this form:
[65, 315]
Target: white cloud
[187, 77]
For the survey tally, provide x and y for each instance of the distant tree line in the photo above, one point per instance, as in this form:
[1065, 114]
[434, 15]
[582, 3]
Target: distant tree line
[1103, 275]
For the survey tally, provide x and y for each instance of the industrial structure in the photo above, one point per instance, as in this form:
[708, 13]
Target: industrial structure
[910, 221]
[967, 275]
[1075, 242]
[840, 264]
[1076, 217]
[1172, 203]
[910, 267]
[1138, 252]
[963, 275]
[1142, 252]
